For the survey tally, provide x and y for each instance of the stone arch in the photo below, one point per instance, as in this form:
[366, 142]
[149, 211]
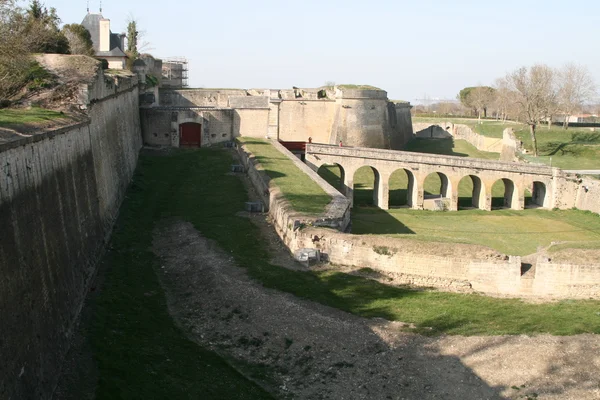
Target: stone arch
[431, 188]
[471, 192]
[437, 191]
[334, 174]
[402, 188]
[539, 194]
[505, 195]
[362, 178]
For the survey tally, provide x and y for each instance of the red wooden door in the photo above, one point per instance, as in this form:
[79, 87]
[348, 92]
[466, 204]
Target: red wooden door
[190, 134]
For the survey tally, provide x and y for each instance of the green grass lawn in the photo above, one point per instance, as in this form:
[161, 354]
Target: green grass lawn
[19, 116]
[574, 148]
[449, 147]
[133, 335]
[507, 231]
[302, 192]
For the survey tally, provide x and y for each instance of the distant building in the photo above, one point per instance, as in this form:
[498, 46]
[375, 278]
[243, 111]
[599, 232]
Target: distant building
[174, 73]
[577, 118]
[107, 45]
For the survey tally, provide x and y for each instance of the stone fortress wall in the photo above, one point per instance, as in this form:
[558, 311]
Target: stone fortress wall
[60, 193]
[450, 266]
[356, 117]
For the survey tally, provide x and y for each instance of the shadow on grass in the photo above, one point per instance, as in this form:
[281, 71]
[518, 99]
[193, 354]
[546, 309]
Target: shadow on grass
[373, 220]
[434, 146]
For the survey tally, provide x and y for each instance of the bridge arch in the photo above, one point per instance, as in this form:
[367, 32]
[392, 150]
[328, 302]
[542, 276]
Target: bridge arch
[367, 187]
[402, 186]
[471, 192]
[334, 174]
[539, 194]
[505, 194]
[437, 191]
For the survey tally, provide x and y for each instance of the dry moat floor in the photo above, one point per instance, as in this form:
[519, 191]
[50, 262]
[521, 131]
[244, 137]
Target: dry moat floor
[195, 300]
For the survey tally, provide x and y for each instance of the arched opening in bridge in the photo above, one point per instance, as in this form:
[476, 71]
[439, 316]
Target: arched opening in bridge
[538, 195]
[503, 192]
[402, 188]
[471, 192]
[190, 134]
[334, 175]
[436, 191]
[366, 182]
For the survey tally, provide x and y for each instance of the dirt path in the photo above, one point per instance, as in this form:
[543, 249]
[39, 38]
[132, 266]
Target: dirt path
[301, 349]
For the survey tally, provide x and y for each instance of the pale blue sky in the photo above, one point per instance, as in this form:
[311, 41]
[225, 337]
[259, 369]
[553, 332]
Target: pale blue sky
[409, 48]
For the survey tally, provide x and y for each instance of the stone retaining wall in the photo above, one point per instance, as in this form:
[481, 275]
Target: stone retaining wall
[60, 193]
[450, 266]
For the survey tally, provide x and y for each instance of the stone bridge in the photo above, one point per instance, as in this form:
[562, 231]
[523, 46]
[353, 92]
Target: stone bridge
[540, 180]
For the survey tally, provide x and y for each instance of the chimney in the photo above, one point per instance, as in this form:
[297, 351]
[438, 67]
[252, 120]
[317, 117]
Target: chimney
[104, 35]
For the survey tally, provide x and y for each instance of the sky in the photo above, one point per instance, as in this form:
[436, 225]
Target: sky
[412, 49]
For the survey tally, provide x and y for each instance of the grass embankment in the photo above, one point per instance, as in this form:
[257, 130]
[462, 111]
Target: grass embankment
[507, 231]
[20, 116]
[574, 148]
[449, 147]
[302, 192]
[141, 353]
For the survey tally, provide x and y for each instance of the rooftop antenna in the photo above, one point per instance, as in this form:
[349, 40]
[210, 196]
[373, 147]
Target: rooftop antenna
[100, 6]
[88, 6]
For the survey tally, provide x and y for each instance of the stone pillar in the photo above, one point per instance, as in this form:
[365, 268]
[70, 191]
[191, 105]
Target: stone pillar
[486, 200]
[416, 192]
[381, 192]
[518, 198]
[348, 186]
[453, 195]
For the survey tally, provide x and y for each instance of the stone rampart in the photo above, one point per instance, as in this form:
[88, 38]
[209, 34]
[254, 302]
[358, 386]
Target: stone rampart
[456, 267]
[286, 220]
[445, 130]
[356, 117]
[60, 192]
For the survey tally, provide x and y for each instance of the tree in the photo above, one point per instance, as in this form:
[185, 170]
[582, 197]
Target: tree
[40, 30]
[15, 60]
[535, 95]
[576, 87]
[135, 41]
[477, 98]
[80, 40]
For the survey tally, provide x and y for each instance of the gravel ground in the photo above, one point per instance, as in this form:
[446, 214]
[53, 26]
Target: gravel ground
[301, 349]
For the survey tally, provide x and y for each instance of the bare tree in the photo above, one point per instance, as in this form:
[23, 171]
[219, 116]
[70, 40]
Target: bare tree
[535, 95]
[576, 87]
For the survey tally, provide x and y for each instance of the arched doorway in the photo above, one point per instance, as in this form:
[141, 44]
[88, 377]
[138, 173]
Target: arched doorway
[190, 134]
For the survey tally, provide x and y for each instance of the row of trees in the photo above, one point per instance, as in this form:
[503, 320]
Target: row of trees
[534, 94]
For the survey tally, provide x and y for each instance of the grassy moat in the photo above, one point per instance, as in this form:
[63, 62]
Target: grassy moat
[140, 352]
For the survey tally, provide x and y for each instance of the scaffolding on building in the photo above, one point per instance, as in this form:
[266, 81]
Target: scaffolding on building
[175, 71]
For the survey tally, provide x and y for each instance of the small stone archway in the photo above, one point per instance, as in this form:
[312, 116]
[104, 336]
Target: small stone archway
[474, 186]
[539, 195]
[363, 175]
[437, 191]
[509, 195]
[399, 179]
[335, 175]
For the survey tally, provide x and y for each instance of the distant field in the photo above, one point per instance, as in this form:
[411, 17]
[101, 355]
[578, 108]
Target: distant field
[460, 148]
[508, 231]
[575, 148]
